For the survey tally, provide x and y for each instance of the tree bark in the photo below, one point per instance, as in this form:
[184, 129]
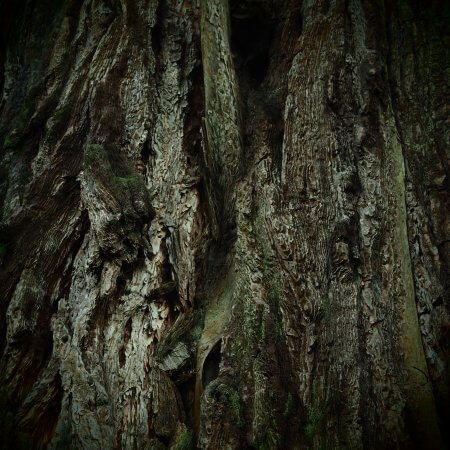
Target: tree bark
[224, 224]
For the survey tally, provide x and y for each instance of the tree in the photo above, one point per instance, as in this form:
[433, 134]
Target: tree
[224, 224]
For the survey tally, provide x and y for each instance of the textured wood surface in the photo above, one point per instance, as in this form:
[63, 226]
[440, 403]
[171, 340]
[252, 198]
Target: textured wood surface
[224, 224]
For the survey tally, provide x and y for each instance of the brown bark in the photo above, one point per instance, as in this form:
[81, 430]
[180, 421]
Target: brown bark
[224, 224]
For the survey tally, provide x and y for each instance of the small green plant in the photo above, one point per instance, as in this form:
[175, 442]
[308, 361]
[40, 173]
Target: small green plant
[275, 292]
[273, 438]
[117, 174]
[269, 440]
[236, 408]
[186, 440]
[313, 423]
[279, 329]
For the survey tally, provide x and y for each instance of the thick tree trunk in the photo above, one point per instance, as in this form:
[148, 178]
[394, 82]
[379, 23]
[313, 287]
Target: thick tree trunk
[224, 224]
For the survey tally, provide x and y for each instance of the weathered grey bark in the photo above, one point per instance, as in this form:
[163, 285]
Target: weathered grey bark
[224, 224]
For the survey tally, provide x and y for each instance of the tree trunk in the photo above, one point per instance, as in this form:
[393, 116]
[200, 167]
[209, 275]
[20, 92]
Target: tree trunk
[224, 224]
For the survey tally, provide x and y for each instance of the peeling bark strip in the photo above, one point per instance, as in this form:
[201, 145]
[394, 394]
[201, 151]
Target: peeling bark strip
[224, 224]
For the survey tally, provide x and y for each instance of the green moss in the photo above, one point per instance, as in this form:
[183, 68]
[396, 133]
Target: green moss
[312, 425]
[25, 113]
[268, 440]
[279, 329]
[235, 408]
[9, 143]
[94, 155]
[63, 114]
[324, 307]
[132, 183]
[263, 330]
[275, 292]
[116, 173]
[186, 440]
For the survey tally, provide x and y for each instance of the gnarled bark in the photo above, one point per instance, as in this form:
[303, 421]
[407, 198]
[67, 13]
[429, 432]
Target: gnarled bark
[224, 224]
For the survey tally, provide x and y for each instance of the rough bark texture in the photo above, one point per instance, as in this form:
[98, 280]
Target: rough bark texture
[224, 224]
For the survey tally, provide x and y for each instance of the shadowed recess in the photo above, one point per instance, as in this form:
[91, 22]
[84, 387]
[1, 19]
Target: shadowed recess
[211, 365]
